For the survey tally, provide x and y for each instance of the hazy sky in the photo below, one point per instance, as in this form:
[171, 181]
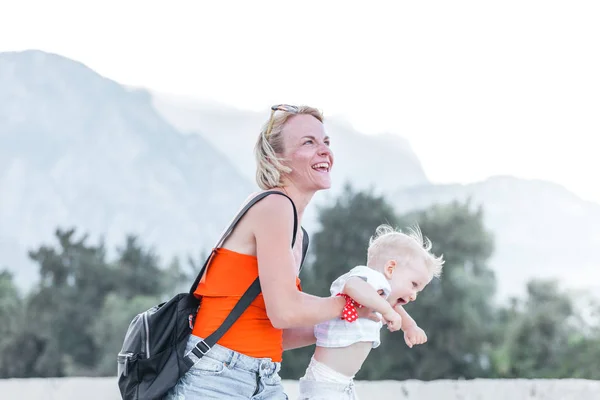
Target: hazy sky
[479, 88]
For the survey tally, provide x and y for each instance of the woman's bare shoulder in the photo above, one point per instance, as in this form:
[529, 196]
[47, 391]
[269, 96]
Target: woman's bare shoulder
[274, 208]
[268, 219]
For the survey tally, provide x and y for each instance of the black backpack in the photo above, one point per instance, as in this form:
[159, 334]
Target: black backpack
[152, 358]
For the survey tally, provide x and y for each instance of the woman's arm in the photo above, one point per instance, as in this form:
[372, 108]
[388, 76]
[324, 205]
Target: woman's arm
[294, 338]
[366, 295]
[287, 307]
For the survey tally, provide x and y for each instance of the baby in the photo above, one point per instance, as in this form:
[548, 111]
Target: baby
[398, 267]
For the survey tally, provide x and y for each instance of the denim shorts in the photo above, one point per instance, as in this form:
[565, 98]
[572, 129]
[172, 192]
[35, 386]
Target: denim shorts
[226, 374]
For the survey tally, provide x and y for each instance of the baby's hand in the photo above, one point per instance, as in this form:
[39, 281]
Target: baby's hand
[414, 335]
[393, 320]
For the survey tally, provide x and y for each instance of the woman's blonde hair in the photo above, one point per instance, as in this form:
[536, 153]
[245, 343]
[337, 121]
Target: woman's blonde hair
[269, 166]
[389, 243]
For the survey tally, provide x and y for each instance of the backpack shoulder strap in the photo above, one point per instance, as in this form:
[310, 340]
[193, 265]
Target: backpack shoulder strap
[251, 293]
[232, 226]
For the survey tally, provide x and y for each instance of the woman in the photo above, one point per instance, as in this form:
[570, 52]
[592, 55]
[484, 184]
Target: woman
[294, 158]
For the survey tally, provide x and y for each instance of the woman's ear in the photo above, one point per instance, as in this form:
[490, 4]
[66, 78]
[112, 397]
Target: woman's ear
[389, 268]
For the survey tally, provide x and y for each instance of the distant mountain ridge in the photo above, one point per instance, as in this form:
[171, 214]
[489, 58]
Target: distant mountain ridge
[540, 228]
[358, 157]
[78, 149]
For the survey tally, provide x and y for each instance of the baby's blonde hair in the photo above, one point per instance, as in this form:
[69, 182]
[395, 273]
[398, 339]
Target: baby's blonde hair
[391, 244]
[269, 166]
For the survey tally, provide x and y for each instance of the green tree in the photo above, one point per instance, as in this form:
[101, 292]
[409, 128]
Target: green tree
[580, 358]
[546, 338]
[137, 271]
[74, 280]
[11, 317]
[10, 304]
[71, 322]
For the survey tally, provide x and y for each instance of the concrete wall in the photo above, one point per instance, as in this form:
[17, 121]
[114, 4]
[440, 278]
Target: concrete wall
[106, 389]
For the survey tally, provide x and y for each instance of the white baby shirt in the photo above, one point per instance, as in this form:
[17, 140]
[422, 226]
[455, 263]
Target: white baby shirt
[340, 333]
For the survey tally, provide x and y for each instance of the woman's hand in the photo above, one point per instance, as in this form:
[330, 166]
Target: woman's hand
[365, 312]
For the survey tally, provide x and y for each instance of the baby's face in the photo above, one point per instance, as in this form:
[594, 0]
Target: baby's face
[407, 281]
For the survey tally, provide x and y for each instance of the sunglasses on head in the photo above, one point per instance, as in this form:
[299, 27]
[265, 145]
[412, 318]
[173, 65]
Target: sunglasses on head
[279, 107]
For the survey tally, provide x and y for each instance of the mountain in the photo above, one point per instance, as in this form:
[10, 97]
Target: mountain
[540, 228]
[358, 157]
[77, 149]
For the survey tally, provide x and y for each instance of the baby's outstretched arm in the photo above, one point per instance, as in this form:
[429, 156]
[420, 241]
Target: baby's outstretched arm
[407, 320]
[412, 333]
[363, 293]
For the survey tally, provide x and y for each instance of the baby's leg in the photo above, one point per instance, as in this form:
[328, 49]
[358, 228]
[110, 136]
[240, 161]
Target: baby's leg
[323, 383]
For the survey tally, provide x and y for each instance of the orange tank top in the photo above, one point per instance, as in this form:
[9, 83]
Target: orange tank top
[227, 278]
